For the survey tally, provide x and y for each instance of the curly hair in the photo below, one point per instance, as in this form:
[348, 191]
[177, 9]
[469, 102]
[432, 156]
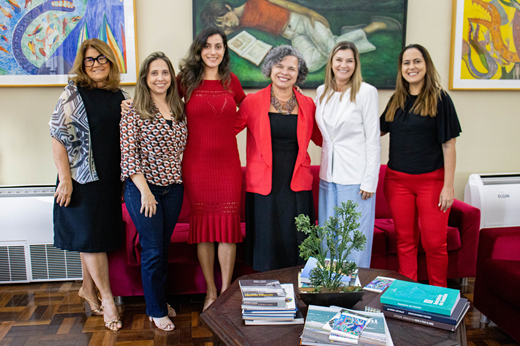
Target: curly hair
[191, 72]
[277, 54]
[81, 77]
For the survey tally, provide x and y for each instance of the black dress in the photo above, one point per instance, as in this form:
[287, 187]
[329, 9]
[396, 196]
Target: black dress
[92, 222]
[272, 239]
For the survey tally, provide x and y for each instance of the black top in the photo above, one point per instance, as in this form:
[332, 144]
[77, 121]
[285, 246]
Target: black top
[92, 221]
[416, 141]
[103, 117]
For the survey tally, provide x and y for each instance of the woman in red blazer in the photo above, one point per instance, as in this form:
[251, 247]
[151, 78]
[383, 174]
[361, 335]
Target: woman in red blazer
[280, 124]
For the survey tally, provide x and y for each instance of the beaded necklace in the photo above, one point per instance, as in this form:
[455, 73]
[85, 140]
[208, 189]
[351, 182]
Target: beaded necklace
[281, 106]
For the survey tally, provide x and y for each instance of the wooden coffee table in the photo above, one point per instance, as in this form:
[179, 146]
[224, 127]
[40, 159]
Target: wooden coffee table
[224, 317]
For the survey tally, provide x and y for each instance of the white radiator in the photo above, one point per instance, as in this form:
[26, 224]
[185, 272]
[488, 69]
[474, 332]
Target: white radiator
[497, 196]
[26, 238]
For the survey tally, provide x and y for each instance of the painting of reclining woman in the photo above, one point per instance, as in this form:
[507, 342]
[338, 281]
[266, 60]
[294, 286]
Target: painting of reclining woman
[312, 27]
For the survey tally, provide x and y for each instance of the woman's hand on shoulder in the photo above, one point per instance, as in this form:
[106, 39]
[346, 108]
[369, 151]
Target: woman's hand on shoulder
[127, 106]
[63, 192]
[148, 204]
[446, 198]
[365, 195]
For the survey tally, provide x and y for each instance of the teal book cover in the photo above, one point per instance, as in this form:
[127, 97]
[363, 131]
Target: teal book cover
[439, 300]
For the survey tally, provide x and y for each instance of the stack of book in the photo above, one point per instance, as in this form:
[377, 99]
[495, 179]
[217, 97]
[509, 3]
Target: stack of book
[433, 306]
[267, 302]
[338, 326]
[304, 282]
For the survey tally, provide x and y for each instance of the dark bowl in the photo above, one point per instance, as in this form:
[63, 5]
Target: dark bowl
[344, 300]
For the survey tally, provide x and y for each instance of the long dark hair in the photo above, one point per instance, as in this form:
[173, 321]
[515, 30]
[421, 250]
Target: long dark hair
[191, 72]
[144, 104]
[426, 103]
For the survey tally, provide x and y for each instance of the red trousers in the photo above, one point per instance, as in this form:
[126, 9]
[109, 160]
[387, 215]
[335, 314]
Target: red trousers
[414, 203]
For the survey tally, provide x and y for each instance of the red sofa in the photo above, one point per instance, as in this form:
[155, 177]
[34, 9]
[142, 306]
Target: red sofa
[186, 275]
[498, 278]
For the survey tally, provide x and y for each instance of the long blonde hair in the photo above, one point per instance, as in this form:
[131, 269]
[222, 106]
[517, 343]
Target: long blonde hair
[330, 81]
[81, 77]
[426, 103]
[144, 104]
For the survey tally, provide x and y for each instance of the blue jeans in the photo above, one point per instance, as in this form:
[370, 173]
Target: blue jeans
[154, 235]
[331, 195]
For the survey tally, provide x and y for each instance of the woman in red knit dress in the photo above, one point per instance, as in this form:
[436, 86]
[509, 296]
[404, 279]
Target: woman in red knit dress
[211, 164]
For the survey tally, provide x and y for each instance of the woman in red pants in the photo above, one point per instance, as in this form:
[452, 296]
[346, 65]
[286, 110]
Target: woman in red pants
[423, 126]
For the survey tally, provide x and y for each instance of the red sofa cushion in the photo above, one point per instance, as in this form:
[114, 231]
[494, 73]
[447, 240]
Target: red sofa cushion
[379, 244]
[503, 278]
[387, 226]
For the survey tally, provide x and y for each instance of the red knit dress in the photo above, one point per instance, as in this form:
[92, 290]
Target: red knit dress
[211, 166]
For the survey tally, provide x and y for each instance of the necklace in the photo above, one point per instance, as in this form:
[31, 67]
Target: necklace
[281, 106]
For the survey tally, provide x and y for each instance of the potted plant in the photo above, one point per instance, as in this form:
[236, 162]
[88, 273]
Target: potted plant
[331, 245]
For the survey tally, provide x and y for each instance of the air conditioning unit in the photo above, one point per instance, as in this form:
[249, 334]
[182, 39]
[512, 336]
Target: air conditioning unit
[26, 238]
[497, 196]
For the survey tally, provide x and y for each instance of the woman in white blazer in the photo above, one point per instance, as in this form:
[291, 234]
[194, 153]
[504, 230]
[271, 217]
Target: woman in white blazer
[347, 116]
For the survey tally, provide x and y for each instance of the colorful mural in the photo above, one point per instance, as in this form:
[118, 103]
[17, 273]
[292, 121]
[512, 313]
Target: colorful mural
[40, 37]
[487, 44]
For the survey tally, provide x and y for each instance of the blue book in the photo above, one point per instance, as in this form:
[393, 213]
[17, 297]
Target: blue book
[413, 295]
[453, 319]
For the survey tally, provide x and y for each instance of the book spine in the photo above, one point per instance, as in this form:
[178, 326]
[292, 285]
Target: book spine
[421, 321]
[249, 303]
[418, 314]
[416, 306]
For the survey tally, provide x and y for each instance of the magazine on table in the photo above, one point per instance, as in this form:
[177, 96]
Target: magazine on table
[379, 284]
[317, 327]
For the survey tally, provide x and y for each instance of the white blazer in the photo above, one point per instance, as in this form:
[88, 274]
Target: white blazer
[351, 150]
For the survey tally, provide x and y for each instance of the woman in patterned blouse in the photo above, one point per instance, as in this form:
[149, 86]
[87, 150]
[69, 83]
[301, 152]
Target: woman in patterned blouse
[85, 145]
[153, 137]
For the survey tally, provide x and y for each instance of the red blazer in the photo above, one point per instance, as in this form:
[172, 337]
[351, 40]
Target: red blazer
[253, 113]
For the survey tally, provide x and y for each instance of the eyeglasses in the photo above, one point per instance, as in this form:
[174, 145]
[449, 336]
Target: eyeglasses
[101, 59]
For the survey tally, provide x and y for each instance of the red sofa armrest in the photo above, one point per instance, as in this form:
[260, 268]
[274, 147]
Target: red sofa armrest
[130, 236]
[499, 243]
[467, 219]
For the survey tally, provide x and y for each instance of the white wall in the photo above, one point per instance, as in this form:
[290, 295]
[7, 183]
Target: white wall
[490, 119]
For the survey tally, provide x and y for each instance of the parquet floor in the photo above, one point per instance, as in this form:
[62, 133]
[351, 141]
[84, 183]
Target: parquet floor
[48, 314]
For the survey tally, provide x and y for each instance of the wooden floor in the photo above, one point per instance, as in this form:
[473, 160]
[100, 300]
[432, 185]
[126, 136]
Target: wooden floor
[52, 314]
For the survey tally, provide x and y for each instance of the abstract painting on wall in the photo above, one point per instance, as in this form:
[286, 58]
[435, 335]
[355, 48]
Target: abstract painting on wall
[485, 46]
[39, 38]
[313, 27]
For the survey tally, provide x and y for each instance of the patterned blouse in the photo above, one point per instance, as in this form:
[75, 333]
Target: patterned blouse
[69, 126]
[153, 148]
